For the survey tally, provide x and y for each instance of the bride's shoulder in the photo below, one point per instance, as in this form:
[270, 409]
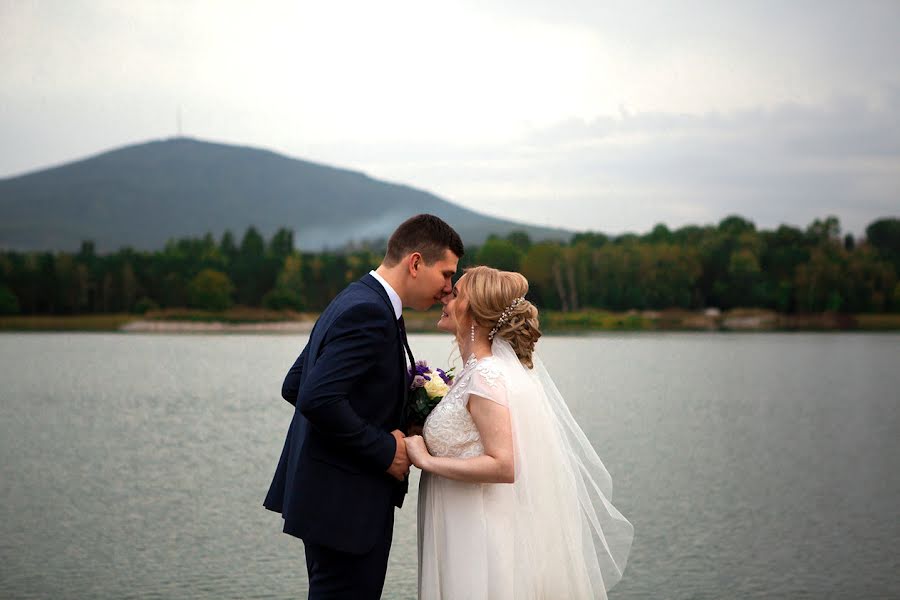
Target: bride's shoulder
[490, 370]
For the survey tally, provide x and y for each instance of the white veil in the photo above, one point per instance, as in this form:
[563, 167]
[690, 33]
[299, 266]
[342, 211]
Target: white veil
[570, 541]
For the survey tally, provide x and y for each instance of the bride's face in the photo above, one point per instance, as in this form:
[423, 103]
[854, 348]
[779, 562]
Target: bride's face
[454, 307]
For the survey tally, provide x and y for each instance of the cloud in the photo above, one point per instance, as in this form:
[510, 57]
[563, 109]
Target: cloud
[788, 164]
[608, 115]
[791, 163]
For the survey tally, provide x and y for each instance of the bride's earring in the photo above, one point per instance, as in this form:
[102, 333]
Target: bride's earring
[472, 337]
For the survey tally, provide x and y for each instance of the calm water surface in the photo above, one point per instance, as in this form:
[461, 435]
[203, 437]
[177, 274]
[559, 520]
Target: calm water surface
[752, 466]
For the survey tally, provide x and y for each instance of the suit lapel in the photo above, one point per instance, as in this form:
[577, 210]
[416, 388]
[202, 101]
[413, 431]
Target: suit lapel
[373, 284]
[376, 286]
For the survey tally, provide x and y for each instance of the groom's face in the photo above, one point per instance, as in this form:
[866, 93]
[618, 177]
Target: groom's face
[434, 281]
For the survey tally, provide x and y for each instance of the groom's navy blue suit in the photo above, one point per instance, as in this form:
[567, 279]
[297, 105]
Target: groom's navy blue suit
[348, 387]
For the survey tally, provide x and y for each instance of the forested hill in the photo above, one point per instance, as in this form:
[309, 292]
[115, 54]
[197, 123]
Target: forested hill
[144, 195]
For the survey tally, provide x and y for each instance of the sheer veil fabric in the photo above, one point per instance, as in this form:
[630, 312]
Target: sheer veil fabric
[576, 543]
[552, 534]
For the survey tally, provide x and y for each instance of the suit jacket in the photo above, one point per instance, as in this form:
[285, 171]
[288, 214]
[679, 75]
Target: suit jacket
[348, 387]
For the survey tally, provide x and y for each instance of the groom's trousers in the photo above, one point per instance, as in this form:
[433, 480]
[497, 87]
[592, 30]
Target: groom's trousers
[335, 575]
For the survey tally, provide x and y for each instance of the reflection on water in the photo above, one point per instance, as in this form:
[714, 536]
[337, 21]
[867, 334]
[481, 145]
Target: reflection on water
[750, 465]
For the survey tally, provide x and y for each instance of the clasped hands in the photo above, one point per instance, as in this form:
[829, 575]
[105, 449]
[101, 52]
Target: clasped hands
[410, 450]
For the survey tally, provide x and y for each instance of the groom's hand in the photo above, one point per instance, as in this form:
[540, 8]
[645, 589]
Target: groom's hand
[400, 467]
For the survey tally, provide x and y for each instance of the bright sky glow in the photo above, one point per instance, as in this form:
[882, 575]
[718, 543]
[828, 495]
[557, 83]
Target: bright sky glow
[609, 116]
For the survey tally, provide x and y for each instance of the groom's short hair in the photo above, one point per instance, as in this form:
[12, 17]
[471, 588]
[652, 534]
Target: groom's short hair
[426, 234]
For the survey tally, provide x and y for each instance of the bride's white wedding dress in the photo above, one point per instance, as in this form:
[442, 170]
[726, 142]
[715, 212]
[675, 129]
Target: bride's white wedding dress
[553, 534]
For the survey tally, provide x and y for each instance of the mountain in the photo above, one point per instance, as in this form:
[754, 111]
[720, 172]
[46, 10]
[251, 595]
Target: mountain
[145, 194]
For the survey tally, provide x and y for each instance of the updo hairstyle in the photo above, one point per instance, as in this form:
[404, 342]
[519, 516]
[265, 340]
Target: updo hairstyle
[490, 292]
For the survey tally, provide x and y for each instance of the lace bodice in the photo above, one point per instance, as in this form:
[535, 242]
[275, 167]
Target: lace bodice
[449, 430]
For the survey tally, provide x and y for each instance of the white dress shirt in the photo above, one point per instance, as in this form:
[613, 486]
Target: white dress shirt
[392, 295]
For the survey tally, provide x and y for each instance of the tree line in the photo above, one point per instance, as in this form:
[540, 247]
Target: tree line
[729, 265]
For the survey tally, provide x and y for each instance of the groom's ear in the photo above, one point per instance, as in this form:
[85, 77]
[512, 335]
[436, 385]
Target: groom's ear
[413, 262]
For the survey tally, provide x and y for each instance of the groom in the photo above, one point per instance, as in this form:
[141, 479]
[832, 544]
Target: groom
[343, 467]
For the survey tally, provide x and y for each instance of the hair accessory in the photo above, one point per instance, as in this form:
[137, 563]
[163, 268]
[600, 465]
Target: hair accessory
[504, 316]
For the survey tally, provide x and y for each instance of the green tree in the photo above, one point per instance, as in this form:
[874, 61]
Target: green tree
[144, 305]
[591, 239]
[783, 250]
[540, 266]
[825, 231]
[210, 290]
[730, 257]
[868, 281]
[520, 240]
[849, 242]
[500, 254]
[735, 225]
[744, 283]
[668, 276]
[282, 244]
[288, 292]
[9, 304]
[729, 264]
[67, 278]
[819, 283]
[616, 277]
[251, 271]
[691, 235]
[884, 236]
[87, 253]
[659, 235]
[227, 247]
[174, 292]
[130, 287]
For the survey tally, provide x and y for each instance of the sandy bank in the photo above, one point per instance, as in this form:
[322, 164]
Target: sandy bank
[217, 327]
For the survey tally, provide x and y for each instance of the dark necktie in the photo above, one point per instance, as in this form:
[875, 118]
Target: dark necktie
[404, 411]
[402, 325]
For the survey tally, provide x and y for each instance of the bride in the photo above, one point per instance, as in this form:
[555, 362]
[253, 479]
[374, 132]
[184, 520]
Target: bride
[513, 500]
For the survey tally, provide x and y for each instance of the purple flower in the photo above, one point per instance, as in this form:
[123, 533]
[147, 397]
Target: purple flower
[420, 369]
[421, 403]
[448, 379]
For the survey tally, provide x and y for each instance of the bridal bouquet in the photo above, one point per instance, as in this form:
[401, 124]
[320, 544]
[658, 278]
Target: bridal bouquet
[427, 387]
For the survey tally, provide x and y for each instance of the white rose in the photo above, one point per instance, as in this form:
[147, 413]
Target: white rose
[436, 387]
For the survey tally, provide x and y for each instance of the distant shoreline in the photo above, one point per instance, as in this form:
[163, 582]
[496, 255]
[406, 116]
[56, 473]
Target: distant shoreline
[250, 321]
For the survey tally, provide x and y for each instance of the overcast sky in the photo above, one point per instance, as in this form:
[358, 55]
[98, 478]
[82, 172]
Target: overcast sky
[610, 116]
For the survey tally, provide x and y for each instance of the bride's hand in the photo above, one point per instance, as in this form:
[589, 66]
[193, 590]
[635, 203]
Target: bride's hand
[417, 451]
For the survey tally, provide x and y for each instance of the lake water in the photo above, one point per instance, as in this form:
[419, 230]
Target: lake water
[751, 465]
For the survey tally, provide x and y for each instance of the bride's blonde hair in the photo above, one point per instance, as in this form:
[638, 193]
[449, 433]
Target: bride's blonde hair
[491, 294]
